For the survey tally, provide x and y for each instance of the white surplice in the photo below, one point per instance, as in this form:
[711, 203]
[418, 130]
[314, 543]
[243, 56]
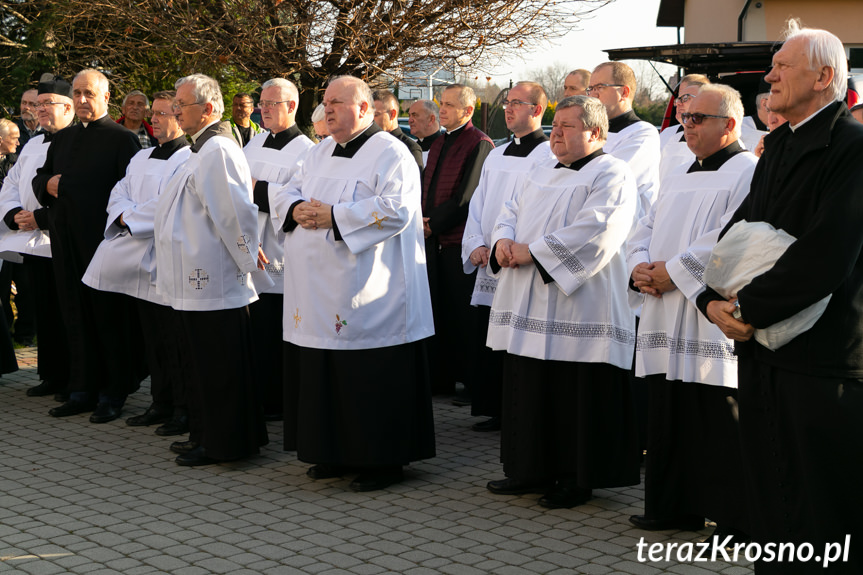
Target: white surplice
[501, 177]
[750, 135]
[638, 146]
[125, 261]
[674, 338]
[275, 167]
[17, 192]
[576, 224]
[674, 152]
[207, 232]
[369, 289]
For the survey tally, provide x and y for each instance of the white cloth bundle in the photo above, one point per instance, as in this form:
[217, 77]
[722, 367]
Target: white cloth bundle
[748, 250]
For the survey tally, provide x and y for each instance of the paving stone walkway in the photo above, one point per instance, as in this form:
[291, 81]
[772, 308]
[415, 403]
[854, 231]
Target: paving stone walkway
[106, 499]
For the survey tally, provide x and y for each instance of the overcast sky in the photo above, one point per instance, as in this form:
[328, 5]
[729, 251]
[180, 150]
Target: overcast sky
[621, 24]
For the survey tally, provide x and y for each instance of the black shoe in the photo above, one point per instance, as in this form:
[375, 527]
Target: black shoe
[61, 397]
[177, 425]
[47, 387]
[492, 424]
[195, 458]
[684, 523]
[273, 417]
[152, 416]
[183, 447]
[25, 341]
[105, 412]
[72, 408]
[377, 479]
[326, 471]
[510, 486]
[565, 495]
[461, 400]
[721, 533]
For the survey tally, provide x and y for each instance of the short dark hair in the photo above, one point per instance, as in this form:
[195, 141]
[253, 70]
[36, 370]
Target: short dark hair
[387, 97]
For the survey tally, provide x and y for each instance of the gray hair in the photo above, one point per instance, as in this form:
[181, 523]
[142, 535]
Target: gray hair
[101, 79]
[466, 95]
[206, 91]
[729, 105]
[593, 114]
[318, 114]
[362, 94]
[823, 49]
[289, 90]
[137, 93]
[430, 107]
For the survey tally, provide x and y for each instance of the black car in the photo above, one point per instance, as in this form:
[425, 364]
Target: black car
[741, 65]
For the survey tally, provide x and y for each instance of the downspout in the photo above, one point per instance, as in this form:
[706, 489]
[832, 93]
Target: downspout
[741, 19]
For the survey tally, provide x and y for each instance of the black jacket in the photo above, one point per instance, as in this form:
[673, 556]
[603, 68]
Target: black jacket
[810, 184]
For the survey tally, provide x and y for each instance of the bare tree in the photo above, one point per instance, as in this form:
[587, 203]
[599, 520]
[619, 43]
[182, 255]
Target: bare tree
[551, 78]
[307, 41]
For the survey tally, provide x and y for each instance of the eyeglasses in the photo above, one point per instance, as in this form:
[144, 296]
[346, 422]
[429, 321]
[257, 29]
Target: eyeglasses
[683, 99]
[179, 107]
[266, 104]
[46, 104]
[161, 114]
[507, 103]
[697, 117]
[596, 87]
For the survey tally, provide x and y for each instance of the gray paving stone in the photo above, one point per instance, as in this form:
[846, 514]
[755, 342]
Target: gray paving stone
[111, 499]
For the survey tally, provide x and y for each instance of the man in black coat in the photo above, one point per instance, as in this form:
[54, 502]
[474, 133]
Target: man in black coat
[84, 163]
[800, 406]
[386, 117]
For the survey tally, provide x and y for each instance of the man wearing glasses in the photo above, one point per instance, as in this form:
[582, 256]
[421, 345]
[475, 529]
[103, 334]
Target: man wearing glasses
[125, 261]
[693, 456]
[503, 173]
[28, 225]
[629, 138]
[206, 250]
[672, 142]
[83, 164]
[273, 158]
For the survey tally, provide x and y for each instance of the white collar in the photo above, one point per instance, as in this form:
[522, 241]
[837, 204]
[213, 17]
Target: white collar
[97, 119]
[797, 125]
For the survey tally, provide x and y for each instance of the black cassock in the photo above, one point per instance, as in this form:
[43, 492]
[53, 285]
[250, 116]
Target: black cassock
[104, 337]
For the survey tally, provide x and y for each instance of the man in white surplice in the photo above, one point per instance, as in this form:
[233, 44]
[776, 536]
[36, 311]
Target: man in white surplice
[672, 144]
[27, 221]
[206, 231]
[125, 261]
[561, 314]
[503, 173]
[357, 299]
[693, 456]
[274, 156]
[630, 138]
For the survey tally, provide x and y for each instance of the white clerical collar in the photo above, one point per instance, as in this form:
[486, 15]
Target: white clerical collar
[457, 129]
[85, 124]
[360, 133]
[797, 125]
[201, 131]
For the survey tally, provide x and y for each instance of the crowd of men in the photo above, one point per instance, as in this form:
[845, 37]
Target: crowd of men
[255, 276]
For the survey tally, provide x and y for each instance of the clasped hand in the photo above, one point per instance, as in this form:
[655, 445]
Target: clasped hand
[313, 214]
[652, 279]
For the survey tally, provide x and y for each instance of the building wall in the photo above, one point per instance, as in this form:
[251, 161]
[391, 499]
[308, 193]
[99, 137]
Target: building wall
[716, 21]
